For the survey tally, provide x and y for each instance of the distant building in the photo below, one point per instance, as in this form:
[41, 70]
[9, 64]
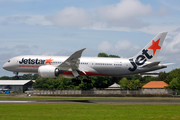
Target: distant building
[16, 85]
[155, 84]
[113, 86]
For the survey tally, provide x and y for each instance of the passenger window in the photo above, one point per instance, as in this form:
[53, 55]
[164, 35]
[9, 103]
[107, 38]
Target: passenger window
[8, 60]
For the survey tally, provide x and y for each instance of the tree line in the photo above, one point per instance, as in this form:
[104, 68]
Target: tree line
[127, 82]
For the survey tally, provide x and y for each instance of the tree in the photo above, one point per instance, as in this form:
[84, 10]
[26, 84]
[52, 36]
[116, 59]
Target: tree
[173, 74]
[175, 84]
[100, 81]
[130, 84]
[147, 79]
[124, 83]
[53, 83]
[6, 78]
[29, 76]
[137, 76]
[102, 55]
[162, 76]
[106, 55]
[137, 84]
[114, 56]
[38, 84]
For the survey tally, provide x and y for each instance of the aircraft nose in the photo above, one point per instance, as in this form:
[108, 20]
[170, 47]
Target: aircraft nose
[5, 66]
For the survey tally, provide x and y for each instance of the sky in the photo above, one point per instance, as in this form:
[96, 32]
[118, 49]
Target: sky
[61, 27]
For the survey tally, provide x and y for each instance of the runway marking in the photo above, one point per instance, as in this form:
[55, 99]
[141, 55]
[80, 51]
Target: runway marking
[120, 102]
[14, 101]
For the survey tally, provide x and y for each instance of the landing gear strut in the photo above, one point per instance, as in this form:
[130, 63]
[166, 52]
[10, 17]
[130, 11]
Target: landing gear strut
[16, 75]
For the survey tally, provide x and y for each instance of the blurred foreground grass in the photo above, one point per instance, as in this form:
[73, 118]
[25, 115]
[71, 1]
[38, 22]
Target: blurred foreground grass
[88, 112]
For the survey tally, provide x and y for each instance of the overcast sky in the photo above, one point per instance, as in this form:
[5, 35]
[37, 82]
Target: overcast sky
[61, 27]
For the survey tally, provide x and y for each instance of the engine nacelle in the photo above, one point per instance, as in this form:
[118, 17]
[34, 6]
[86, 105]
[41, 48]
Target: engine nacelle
[48, 71]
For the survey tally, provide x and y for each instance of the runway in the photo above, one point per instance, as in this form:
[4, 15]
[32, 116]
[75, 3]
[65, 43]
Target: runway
[121, 102]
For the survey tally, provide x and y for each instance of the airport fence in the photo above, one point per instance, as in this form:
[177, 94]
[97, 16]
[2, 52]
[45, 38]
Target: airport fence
[140, 92]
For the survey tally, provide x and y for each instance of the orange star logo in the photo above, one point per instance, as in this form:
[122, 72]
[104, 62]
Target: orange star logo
[48, 61]
[155, 46]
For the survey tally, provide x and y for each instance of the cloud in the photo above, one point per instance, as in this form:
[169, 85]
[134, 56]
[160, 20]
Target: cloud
[170, 52]
[121, 48]
[125, 13]
[123, 45]
[129, 15]
[161, 11]
[172, 5]
[154, 29]
[172, 44]
[105, 46]
[177, 30]
[103, 26]
[124, 10]
[71, 17]
[27, 19]
[68, 17]
[19, 49]
[17, 0]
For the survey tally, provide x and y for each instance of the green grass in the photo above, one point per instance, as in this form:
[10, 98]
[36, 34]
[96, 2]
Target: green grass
[5, 95]
[88, 112]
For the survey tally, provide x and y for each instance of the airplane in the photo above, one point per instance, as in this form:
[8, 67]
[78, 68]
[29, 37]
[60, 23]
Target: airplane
[75, 65]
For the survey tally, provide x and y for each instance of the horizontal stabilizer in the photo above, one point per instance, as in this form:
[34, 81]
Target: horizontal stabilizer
[151, 64]
[169, 64]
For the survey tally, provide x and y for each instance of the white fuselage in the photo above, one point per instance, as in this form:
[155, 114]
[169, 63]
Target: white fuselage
[93, 66]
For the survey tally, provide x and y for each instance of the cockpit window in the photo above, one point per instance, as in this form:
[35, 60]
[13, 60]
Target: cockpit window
[9, 61]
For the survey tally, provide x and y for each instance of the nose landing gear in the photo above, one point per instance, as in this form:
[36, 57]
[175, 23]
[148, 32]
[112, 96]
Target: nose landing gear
[16, 75]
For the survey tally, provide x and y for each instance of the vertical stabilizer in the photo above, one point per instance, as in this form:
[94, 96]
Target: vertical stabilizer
[151, 50]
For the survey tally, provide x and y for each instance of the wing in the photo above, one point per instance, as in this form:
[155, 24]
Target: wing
[72, 63]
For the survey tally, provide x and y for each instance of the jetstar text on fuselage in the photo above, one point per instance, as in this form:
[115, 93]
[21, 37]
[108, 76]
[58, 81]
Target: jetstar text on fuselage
[32, 61]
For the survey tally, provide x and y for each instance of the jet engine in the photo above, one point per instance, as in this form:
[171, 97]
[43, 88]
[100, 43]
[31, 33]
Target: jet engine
[48, 71]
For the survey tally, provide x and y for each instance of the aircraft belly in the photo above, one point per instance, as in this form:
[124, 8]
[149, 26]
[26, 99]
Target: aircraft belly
[112, 71]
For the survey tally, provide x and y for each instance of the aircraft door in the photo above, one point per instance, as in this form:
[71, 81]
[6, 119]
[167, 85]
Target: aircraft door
[92, 63]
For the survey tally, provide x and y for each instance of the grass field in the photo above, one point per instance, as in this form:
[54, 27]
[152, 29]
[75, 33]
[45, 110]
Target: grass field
[88, 112]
